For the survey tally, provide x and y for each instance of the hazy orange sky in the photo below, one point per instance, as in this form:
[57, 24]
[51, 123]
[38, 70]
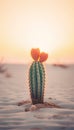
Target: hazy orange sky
[26, 24]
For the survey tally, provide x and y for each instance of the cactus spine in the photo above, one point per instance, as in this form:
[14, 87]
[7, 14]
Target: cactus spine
[37, 76]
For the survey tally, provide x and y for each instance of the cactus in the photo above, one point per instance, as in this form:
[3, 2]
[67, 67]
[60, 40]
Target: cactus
[37, 76]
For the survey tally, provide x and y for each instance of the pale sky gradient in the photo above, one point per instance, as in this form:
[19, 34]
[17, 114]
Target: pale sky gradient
[47, 24]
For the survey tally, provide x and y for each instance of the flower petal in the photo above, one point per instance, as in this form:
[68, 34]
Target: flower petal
[43, 57]
[35, 53]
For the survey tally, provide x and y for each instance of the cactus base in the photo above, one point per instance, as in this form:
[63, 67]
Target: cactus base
[37, 101]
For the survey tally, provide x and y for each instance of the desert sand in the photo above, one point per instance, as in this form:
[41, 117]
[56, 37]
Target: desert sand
[59, 90]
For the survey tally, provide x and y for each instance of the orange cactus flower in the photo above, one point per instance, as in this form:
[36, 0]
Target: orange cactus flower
[35, 53]
[43, 57]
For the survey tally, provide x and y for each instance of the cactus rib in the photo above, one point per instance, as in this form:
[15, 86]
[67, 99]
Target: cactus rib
[37, 82]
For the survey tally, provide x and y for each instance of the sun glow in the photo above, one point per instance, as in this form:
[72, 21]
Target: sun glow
[40, 24]
[40, 35]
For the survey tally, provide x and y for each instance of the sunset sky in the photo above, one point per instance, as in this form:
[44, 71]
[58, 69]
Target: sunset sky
[47, 24]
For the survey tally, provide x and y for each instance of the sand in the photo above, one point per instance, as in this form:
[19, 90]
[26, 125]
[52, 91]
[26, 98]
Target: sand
[59, 91]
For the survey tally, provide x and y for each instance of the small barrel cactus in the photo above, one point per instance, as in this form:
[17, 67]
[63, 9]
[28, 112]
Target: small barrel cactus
[37, 76]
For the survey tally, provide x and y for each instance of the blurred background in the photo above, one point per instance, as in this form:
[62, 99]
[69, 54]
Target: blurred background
[47, 24]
